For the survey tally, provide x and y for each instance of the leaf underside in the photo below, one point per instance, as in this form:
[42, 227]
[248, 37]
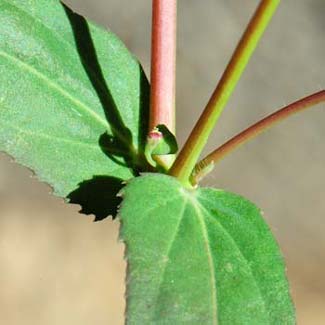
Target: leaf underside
[199, 257]
[71, 96]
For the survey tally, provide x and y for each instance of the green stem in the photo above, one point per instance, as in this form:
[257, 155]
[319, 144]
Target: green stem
[189, 155]
[205, 165]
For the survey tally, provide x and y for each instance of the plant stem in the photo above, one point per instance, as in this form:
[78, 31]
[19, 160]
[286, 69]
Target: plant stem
[254, 131]
[193, 147]
[163, 62]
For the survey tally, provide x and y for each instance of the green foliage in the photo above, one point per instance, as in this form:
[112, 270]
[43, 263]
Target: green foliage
[73, 107]
[71, 96]
[200, 256]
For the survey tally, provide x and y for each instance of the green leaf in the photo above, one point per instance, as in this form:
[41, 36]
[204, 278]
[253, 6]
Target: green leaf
[201, 256]
[73, 100]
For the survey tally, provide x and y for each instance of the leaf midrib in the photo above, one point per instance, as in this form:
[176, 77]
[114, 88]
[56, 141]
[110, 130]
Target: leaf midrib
[169, 248]
[238, 249]
[82, 107]
[89, 67]
[46, 136]
[196, 205]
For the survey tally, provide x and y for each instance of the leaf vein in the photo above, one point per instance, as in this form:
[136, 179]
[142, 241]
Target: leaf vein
[169, 248]
[46, 136]
[149, 211]
[238, 248]
[81, 106]
[72, 48]
[200, 217]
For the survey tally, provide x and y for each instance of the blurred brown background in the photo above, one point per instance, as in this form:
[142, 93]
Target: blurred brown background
[58, 267]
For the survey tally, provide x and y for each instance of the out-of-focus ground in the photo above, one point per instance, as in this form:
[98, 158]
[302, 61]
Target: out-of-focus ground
[58, 267]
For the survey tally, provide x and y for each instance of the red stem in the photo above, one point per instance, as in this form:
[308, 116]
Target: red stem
[253, 131]
[163, 64]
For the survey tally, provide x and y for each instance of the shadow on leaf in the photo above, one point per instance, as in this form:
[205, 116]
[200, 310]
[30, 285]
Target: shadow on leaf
[98, 196]
[121, 134]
